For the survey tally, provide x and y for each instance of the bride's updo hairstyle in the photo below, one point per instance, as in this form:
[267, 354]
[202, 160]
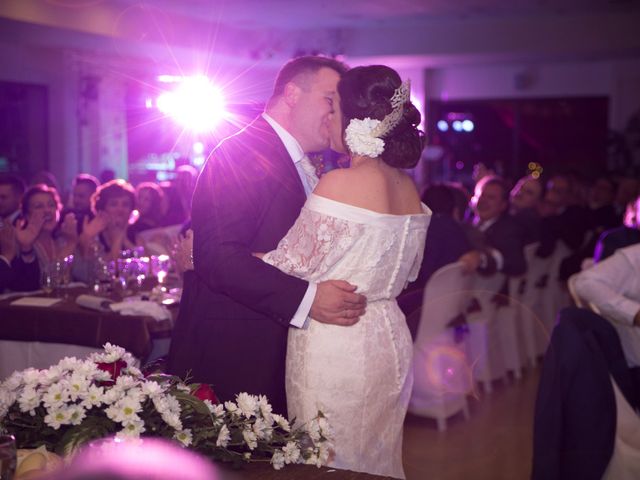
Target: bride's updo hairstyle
[366, 92]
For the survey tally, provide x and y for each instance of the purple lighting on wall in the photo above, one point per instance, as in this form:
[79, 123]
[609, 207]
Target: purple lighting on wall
[195, 103]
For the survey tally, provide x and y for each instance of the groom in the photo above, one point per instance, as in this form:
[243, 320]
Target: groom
[236, 310]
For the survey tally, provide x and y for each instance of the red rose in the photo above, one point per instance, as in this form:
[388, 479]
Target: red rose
[114, 369]
[205, 392]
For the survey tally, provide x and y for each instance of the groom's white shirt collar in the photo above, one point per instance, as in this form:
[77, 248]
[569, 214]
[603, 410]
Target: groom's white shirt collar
[291, 144]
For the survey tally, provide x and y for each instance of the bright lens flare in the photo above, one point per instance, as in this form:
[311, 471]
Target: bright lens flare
[196, 104]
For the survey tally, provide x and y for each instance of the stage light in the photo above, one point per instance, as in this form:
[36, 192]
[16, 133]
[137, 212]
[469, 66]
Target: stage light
[195, 103]
[467, 125]
[198, 148]
[148, 103]
[457, 125]
[442, 125]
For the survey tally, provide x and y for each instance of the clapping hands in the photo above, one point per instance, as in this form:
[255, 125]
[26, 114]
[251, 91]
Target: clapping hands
[69, 227]
[26, 233]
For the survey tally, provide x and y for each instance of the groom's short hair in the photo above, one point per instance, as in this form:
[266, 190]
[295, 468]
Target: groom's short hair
[299, 71]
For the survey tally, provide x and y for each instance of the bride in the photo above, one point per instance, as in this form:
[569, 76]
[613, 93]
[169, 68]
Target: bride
[366, 225]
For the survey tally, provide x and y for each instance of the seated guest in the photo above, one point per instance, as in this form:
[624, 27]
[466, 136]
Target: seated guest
[446, 241]
[82, 188]
[624, 236]
[576, 416]
[11, 191]
[35, 231]
[149, 197]
[108, 232]
[178, 195]
[18, 272]
[496, 238]
[613, 287]
[562, 219]
[601, 216]
[526, 197]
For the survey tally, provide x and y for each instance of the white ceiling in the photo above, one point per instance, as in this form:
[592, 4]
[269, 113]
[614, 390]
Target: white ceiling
[303, 14]
[417, 32]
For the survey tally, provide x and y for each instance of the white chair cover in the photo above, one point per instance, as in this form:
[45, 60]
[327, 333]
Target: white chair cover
[441, 374]
[484, 344]
[625, 461]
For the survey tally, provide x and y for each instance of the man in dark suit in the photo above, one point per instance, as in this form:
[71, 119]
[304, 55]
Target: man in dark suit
[620, 237]
[497, 239]
[236, 310]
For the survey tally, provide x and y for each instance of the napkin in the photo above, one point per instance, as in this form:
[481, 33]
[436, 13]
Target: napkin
[35, 301]
[141, 307]
[93, 302]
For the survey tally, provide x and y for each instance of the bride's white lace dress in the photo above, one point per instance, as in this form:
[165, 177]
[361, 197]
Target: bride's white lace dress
[359, 376]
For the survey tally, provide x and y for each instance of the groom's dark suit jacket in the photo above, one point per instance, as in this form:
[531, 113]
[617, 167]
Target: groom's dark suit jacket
[235, 311]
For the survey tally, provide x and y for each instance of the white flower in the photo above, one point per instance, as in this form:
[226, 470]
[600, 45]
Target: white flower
[13, 382]
[29, 399]
[78, 385]
[247, 404]
[124, 410]
[152, 388]
[57, 417]
[56, 395]
[133, 429]
[282, 422]
[93, 396]
[231, 407]
[133, 371]
[76, 414]
[261, 429]
[223, 437]
[32, 377]
[360, 140]
[125, 382]
[184, 436]
[314, 431]
[325, 428]
[69, 363]
[291, 452]
[250, 438]
[277, 460]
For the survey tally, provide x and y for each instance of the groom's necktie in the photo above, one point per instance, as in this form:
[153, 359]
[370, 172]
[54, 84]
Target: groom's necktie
[307, 173]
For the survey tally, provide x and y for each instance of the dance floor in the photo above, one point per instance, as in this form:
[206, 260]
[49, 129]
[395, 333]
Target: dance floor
[494, 444]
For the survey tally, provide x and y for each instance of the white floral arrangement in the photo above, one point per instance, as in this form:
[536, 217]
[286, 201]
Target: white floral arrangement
[77, 401]
[359, 138]
[364, 136]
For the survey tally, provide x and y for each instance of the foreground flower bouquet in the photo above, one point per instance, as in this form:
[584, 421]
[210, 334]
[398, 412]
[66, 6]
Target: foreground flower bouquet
[77, 401]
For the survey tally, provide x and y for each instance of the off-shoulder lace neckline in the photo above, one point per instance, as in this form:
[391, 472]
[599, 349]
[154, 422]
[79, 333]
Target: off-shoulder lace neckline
[425, 209]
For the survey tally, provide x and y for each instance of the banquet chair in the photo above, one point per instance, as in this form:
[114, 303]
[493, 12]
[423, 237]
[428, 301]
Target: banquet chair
[484, 343]
[441, 374]
[526, 292]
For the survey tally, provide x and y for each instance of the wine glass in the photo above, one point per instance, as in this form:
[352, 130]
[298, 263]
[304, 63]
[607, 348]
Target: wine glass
[7, 457]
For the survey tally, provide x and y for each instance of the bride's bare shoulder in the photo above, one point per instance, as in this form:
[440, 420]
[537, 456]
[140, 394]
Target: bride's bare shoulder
[333, 184]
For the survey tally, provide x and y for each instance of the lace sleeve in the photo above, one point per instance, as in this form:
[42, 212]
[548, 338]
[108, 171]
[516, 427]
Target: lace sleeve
[313, 245]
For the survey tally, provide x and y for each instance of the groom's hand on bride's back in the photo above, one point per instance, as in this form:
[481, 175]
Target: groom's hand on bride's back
[336, 302]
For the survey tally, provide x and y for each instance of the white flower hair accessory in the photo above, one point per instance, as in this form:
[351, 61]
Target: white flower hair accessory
[363, 136]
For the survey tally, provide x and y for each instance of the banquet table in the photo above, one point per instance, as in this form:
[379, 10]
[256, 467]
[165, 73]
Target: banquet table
[291, 472]
[59, 327]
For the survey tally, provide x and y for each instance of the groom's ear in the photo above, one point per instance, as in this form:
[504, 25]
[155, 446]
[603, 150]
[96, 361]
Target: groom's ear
[291, 94]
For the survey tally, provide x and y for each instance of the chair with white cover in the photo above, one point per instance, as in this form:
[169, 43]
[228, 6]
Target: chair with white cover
[441, 373]
[625, 461]
[484, 343]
